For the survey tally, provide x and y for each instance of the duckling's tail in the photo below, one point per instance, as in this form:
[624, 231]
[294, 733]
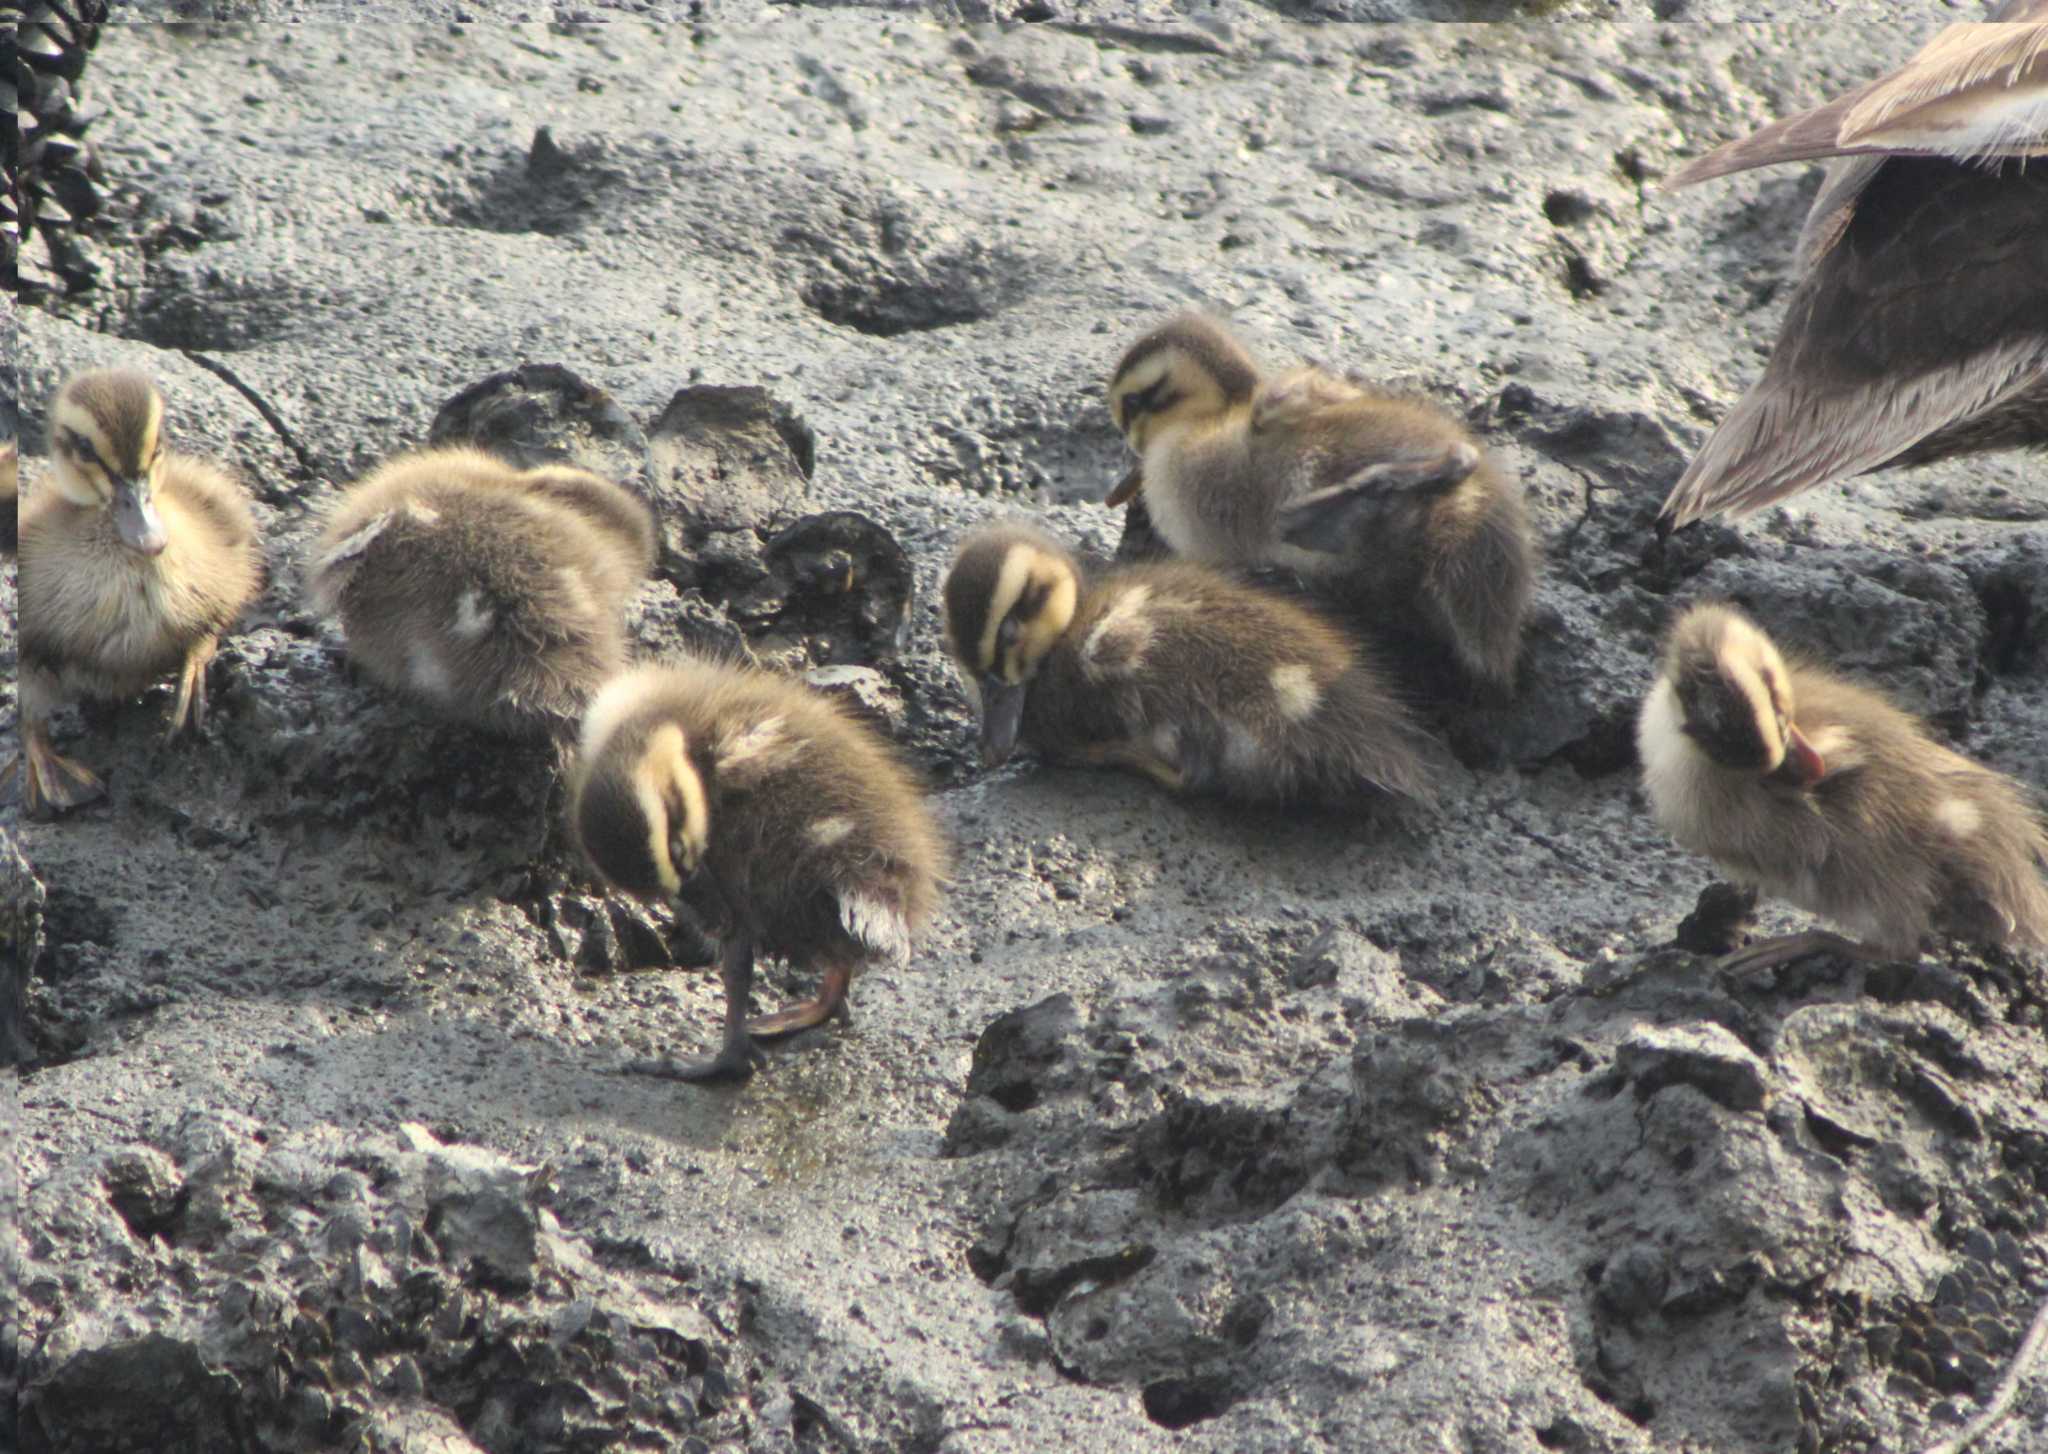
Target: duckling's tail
[10, 498]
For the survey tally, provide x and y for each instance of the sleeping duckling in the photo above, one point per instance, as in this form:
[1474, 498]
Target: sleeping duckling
[1173, 671]
[1383, 503]
[494, 594]
[798, 826]
[1823, 793]
[1918, 328]
[133, 561]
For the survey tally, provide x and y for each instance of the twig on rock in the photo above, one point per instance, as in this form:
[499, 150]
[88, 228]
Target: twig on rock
[2001, 1397]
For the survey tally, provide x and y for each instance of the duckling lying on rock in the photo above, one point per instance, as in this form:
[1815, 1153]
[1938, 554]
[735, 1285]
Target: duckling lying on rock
[493, 594]
[1173, 671]
[1383, 504]
[133, 561]
[799, 826]
[1821, 792]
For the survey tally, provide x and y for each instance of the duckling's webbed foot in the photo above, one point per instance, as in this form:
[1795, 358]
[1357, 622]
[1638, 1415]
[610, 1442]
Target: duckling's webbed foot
[50, 784]
[1789, 948]
[831, 1003]
[739, 1057]
[1134, 757]
[191, 704]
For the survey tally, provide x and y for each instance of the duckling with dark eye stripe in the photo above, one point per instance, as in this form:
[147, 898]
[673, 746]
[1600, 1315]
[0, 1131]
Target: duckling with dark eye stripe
[1821, 792]
[493, 594]
[1173, 671]
[799, 826]
[1383, 505]
[134, 560]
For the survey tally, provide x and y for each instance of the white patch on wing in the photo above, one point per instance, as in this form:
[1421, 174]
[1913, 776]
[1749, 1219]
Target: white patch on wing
[875, 924]
[1960, 816]
[1836, 746]
[425, 514]
[472, 617]
[1295, 688]
[827, 831]
[1123, 625]
[428, 672]
[764, 744]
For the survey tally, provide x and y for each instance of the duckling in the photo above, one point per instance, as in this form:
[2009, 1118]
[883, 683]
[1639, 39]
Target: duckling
[1383, 503]
[1918, 328]
[493, 594]
[1173, 671]
[806, 836]
[1807, 787]
[133, 561]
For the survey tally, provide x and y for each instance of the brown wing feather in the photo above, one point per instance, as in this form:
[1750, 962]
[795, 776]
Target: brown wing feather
[1933, 308]
[1987, 60]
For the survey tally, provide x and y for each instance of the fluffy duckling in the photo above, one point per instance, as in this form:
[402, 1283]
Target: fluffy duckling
[133, 561]
[1918, 328]
[1383, 503]
[494, 594]
[1823, 793]
[797, 825]
[1173, 671]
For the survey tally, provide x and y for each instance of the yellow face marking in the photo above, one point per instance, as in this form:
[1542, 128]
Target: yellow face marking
[1137, 381]
[1010, 583]
[665, 777]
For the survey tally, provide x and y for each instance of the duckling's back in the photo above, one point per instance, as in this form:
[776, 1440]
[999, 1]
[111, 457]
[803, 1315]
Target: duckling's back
[1249, 694]
[1922, 837]
[818, 830]
[493, 594]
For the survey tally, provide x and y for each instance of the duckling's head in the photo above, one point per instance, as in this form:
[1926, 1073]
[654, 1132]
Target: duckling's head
[637, 799]
[1734, 697]
[1010, 597]
[1186, 370]
[105, 429]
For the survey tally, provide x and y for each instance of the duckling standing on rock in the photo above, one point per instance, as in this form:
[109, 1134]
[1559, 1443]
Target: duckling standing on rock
[1173, 671]
[807, 836]
[1382, 503]
[1918, 328]
[133, 561]
[492, 593]
[1823, 793]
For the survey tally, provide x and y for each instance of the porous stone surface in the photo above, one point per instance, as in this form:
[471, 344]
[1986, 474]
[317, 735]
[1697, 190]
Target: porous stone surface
[1187, 1127]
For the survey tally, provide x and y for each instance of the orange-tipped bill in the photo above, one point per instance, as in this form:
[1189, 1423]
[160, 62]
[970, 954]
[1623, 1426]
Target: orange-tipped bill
[1128, 486]
[1802, 762]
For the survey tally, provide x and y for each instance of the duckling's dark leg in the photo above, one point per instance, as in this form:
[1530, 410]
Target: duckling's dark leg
[831, 1002]
[1787, 948]
[49, 783]
[738, 1056]
[191, 703]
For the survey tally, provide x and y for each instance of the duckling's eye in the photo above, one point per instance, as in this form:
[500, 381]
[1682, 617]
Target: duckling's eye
[82, 447]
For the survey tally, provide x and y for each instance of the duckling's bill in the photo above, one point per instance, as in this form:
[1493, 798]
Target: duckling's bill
[136, 519]
[1002, 716]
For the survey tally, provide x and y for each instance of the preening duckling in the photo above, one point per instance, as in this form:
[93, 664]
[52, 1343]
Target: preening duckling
[806, 836]
[494, 594]
[1382, 503]
[134, 560]
[1825, 794]
[1174, 671]
[1918, 328]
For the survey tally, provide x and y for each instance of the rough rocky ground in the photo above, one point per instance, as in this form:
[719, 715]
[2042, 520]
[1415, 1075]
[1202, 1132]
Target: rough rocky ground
[1187, 1128]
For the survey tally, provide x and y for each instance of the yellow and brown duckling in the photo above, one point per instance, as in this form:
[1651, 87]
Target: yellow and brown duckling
[1812, 789]
[1918, 328]
[133, 561]
[1172, 670]
[1384, 504]
[795, 828]
[493, 594]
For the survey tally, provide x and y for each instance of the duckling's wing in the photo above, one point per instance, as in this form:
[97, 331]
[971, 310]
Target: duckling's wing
[1974, 91]
[1932, 309]
[1330, 518]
